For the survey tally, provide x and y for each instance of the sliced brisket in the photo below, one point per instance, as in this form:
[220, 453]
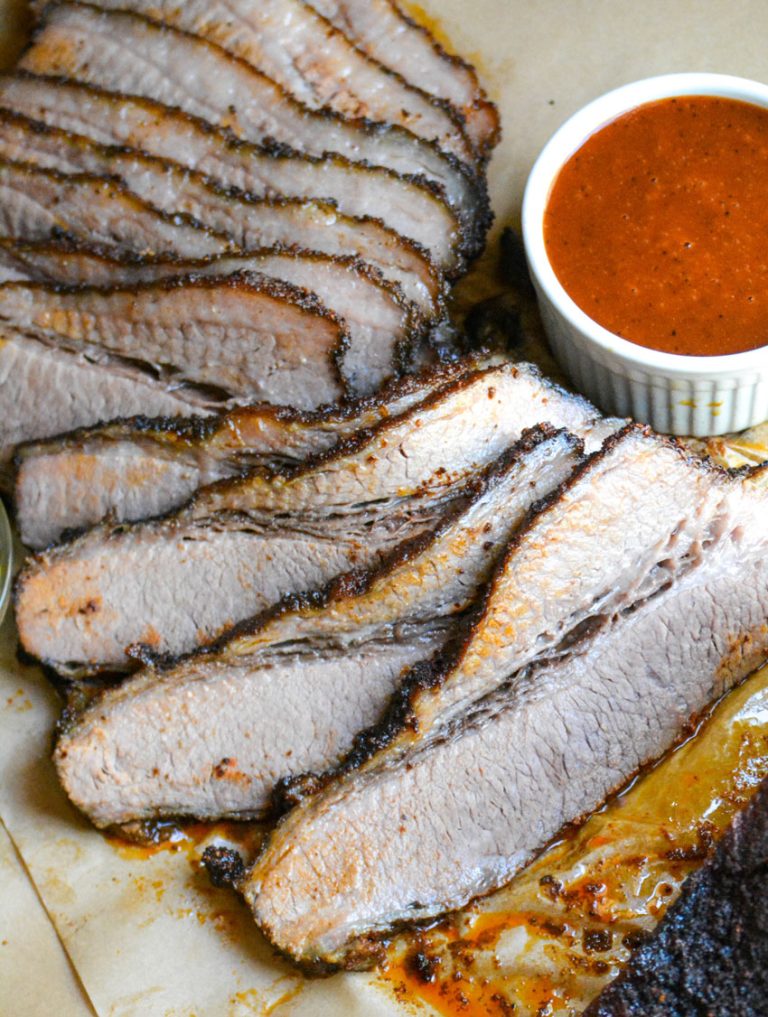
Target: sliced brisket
[418, 832]
[45, 390]
[385, 332]
[123, 52]
[709, 955]
[384, 32]
[288, 693]
[293, 45]
[140, 468]
[167, 186]
[258, 538]
[408, 204]
[42, 204]
[244, 334]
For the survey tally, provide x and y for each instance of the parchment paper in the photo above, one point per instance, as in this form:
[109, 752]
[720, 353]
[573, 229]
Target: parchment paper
[150, 937]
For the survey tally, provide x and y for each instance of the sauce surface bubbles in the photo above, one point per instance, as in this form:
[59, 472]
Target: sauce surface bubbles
[657, 227]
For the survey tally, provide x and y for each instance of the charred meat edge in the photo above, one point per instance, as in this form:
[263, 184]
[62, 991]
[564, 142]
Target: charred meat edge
[110, 157]
[481, 114]
[476, 221]
[112, 186]
[278, 289]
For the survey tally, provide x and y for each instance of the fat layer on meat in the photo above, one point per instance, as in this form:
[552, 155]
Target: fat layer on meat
[123, 52]
[383, 31]
[167, 186]
[416, 833]
[244, 334]
[287, 694]
[141, 468]
[257, 538]
[289, 42]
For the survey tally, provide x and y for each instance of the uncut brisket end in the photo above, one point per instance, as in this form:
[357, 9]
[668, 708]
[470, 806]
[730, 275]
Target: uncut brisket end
[709, 955]
[287, 694]
[461, 811]
[258, 538]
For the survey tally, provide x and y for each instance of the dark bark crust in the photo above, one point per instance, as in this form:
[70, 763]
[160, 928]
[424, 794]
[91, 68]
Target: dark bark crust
[372, 128]
[709, 955]
[246, 282]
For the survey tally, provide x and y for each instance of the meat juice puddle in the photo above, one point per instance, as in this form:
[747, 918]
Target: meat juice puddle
[656, 226]
[551, 940]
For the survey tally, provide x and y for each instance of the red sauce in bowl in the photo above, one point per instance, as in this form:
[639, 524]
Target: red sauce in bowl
[657, 227]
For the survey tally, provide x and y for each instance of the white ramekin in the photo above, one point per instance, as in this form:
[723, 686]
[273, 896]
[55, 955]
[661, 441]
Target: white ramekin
[675, 394]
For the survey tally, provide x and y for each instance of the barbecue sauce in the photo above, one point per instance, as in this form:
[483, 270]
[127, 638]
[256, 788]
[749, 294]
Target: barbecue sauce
[657, 226]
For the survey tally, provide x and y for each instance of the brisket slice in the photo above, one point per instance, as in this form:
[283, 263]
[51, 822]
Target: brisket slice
[411, 835]
[408, 204]
[382, 332]
[709, 955]
[122, 52]
[249, 336]
[384, 32]
[139, 468]
[257, 538]
[44, 390]
[288, 693]
[293, 45]
[42, 204]
[167, 186]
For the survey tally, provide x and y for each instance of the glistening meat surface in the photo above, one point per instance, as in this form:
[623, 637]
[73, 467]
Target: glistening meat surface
[289, 42]
[407, 837]
[123, 52]
[287, 694]
[258, 538]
